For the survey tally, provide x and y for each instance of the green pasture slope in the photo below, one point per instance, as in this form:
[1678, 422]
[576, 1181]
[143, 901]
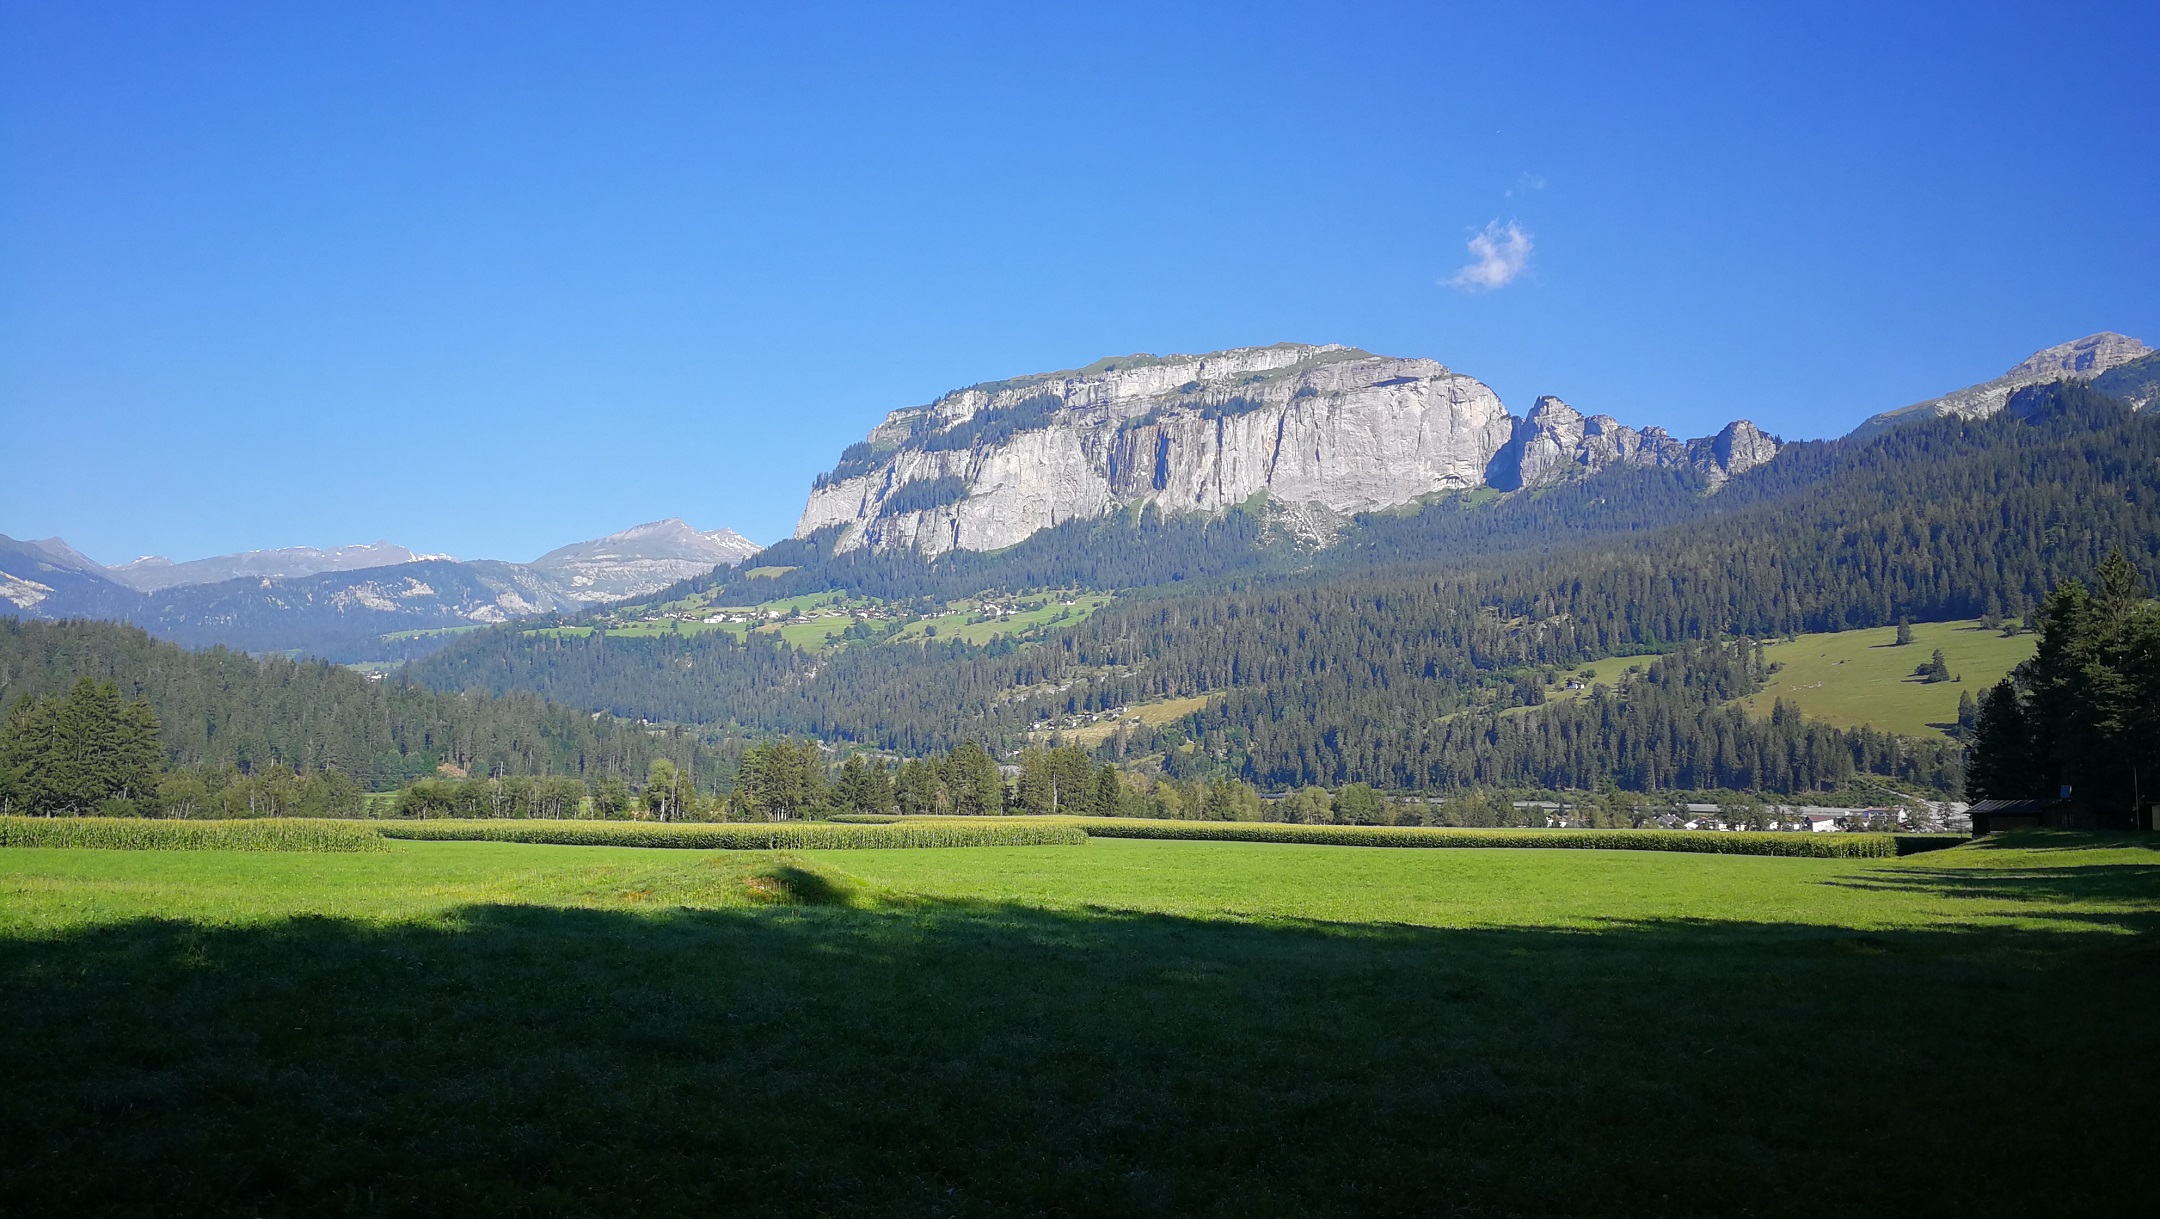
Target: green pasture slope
[1851, 678]
[1120, 1027]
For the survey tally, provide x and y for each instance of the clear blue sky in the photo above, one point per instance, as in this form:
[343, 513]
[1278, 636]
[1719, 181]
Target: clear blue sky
[490, 278]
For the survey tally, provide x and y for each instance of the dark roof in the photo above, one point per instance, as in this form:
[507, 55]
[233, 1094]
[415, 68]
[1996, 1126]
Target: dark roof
[2018, 807]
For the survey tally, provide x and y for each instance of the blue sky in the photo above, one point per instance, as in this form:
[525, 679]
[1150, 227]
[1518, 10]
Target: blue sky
[486, 279]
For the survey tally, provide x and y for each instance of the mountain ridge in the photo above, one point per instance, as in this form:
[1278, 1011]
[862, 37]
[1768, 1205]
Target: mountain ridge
[1327, 431]
[2088, 357]
[272, 601]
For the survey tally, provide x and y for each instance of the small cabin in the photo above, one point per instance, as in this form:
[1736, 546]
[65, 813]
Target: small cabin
[2063, 813]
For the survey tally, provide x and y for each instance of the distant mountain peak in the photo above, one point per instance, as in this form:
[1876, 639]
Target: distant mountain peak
[68, 556]
[156, 572]
[2086, 358]
[643, 559]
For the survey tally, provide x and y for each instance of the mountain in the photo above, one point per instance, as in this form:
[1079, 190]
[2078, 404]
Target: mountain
[1321, 432]
[1428, 647]
[1555, 443]
[40, 578]
[642, 560]
[350, 609]
[2137, 383]
[2086, 358]
[155, 572]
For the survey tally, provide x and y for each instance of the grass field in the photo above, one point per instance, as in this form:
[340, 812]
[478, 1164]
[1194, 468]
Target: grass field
[832, 614]
[1852, 678]
[1124, 1027]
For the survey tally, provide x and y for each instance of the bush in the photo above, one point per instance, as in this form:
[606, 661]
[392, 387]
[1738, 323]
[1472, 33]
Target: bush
[1833, 846]
[799, 835]
[137, 834]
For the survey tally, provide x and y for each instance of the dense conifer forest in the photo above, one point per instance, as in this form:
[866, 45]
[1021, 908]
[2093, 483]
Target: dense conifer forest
[219, 709]
[2084, 712]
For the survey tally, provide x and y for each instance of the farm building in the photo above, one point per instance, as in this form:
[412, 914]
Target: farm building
[1995, 816]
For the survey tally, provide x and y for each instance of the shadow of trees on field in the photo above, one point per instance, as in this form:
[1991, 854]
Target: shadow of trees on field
[2131, 890]
[956, 1058]
[2068, 840]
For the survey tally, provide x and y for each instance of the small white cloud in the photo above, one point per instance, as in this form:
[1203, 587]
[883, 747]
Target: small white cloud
[1501, 252]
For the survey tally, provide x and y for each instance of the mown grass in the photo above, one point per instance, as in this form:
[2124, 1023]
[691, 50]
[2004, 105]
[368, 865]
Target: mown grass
[1123, 1027]
[1851, 678]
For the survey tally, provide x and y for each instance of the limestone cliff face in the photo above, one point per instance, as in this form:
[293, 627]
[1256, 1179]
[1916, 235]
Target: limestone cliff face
[1556, 443]
[1325, 431]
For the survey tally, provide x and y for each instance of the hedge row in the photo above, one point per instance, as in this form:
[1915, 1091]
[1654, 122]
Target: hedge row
[137, 834]
[1830, 846]
[721, 836]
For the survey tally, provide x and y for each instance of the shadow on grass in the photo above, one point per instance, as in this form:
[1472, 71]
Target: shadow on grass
[2128, 893]
[2068, 840]
[948, 1058]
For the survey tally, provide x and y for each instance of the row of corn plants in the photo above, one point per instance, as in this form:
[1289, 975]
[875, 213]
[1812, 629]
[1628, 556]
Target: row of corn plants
[1820, 846]
[138, 834]
[724, 836]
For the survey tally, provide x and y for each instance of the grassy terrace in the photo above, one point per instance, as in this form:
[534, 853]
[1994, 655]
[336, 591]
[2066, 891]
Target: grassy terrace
[1861, 677]
[827, 615]
[1118, 1027]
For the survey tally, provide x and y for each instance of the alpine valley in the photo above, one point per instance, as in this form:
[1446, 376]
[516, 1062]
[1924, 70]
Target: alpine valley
[1290, 565]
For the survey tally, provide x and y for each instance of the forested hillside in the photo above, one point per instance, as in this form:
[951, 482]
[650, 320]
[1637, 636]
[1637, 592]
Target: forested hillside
[1350, 669]
[220, 708]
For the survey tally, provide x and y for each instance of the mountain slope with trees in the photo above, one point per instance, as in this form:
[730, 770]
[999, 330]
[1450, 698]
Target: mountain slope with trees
[1352, 668]
[218, 709]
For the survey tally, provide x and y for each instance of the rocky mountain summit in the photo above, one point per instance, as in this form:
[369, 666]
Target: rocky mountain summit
[1321, 431]
[642, 559]
[2086, 358]
[1556, 443]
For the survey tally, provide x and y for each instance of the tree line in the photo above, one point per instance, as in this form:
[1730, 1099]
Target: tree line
[2084, 712]
[220, 710]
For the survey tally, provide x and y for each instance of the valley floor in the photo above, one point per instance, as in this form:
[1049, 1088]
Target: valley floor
[1117, 1028]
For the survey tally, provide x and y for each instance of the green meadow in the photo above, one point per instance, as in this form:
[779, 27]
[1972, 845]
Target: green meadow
[1120, 1027]
[1851, 678]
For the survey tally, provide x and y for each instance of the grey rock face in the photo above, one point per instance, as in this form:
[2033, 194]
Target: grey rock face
[2088, 357]
[1331, 426]
[1556, 443]
[642, 559]
[1325, 431]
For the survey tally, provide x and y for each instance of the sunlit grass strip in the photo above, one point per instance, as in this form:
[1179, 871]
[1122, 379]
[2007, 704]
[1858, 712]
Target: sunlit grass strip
[794, 836]
[134, 834]
[1813, 846]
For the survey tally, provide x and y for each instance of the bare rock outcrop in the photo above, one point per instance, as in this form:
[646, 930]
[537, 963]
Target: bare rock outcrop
[2085, 358]
[1324, 431]
[1556, 443]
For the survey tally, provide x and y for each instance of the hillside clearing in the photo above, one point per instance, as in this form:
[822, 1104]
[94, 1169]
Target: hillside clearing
[1855, 678]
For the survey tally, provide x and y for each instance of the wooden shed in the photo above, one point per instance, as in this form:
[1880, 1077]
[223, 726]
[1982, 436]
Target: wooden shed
[1995, 816]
